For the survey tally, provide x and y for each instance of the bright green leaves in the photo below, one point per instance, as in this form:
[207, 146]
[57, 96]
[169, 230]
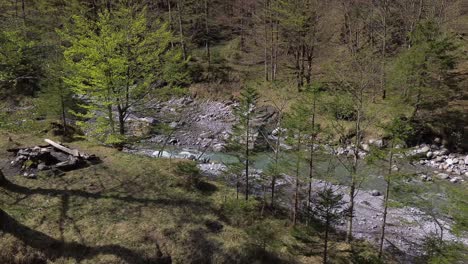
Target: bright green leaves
[114, 61]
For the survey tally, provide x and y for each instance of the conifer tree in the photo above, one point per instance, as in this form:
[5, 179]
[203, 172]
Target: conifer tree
[242, 139]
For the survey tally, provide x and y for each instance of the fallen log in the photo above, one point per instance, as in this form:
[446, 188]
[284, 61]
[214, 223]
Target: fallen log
[73, 152]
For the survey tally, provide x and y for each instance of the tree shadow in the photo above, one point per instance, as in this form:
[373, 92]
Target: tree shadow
[54, 248]
[98, 195]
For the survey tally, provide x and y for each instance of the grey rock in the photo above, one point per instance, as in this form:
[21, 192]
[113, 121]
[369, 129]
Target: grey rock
[429, 154]
[455, 180]
[424, 149]
[444, 176]
[376, 193]
[41, 166]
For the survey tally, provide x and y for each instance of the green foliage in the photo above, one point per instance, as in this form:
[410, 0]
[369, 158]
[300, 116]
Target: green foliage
[19, 66]
[189, 172]
[444, 252]
[263, 234]
[423, 71]
[114, 61]
[457, 207]
[341, 107]
[330, 206]
[241, 212]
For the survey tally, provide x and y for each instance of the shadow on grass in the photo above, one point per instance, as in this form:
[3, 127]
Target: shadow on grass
[98, 195]
[54, 248]
[206, 188]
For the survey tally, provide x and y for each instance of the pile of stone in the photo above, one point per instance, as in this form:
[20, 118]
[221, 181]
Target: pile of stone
[453, 166]
[53, 156]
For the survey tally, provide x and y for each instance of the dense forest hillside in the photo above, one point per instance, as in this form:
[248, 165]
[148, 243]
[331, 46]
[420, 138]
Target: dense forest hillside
[234, 131]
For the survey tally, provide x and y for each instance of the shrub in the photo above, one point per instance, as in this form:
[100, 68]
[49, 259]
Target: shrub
[189, 172]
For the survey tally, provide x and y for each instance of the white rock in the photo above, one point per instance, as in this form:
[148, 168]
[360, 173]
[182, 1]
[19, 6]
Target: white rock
[449, 161]
[455, 180]
[444, 176]
[425, 149]
[429, 154]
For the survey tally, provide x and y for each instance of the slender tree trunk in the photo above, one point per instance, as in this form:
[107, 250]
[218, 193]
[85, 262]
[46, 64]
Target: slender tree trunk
[23, 9]
[275, 60]
[64, 118]
[311, 161]
[352, 189]
[170, 20]
[181, 30]
[247, 143]
[111, 118]
[384, 50]
[273, 47]
[207, 32]
[121, 114]
[242, 29]
[387, 195]
[325, 246]
[266, 40]
[296, 189]
[237, 187]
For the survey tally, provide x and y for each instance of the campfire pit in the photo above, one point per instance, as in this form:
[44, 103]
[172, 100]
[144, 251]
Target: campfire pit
[53, 156]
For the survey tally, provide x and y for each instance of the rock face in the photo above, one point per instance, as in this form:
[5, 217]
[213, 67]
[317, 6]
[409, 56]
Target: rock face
[204, 124]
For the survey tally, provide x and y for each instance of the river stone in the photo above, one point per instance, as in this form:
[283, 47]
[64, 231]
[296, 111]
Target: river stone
[425, 149]
[444, 176]
[429, 154]
[376, 193]
[455, 161]
[365, 147]
[466, 159]
[449, 161]
[455, 180]
[41, 166]
[439, 159]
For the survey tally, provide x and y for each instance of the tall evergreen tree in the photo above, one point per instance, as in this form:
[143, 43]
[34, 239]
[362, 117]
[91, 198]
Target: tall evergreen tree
[243, 134]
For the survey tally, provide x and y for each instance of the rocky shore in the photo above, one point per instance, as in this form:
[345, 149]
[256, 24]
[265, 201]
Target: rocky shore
[407, 227]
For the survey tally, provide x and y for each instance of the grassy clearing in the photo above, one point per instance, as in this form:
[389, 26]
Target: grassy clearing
[134, 209]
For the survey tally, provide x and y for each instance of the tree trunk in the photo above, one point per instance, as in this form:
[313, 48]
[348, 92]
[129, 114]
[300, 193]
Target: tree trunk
[181, 31]
[64, 118]
[2, 178]
[266, 40]
[387, 194]
[352, 189]
[384, 50]
[296, 189]
[311, 161]
[207, 32]
[121, 114]
[325, 246]
[247, 143]
[170, 20]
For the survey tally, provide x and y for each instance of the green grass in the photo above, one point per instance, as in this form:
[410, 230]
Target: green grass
[135, 209]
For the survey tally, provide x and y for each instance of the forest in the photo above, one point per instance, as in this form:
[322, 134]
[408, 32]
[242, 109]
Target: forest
[233, 131]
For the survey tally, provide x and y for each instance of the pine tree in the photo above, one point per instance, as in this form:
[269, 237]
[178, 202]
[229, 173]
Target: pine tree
[242, 139]
[298, 126]
[330, 207]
